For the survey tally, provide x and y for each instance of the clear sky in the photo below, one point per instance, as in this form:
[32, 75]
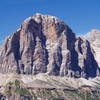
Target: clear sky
[80, 15]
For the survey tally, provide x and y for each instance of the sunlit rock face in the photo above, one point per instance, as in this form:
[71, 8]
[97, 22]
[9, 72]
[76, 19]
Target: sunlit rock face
[45, 44]
[94, 38]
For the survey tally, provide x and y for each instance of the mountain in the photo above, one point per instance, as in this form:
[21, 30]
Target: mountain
[45, 44]
[94, 38]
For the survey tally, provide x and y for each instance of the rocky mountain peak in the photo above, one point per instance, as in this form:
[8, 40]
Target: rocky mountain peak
[94, 39]
[45, 44]
[95, 31]
[95, 34]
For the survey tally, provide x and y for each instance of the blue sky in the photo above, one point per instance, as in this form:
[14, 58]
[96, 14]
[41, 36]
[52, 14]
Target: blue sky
[80, 15]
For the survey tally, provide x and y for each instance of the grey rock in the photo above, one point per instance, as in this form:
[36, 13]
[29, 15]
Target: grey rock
[45, 44]
[94, 38]
[86, 59]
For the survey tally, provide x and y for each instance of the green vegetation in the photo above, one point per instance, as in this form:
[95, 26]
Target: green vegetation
[17, 83]
[83, 93]
[22, 91]
[8, 88]
[16, 88]
[43, 92]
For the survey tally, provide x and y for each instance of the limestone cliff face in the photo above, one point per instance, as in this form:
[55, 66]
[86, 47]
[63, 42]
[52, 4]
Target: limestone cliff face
[45, 44]
[94, 39]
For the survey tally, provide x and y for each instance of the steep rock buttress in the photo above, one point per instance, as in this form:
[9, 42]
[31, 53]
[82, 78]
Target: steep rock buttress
[45, 44]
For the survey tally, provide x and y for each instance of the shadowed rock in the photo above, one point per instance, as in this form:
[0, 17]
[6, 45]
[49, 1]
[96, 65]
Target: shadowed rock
[45, 44]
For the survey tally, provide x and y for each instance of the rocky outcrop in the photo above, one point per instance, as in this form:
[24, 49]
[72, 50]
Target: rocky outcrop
[94, 39]
[86, 60]
[45, 44]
